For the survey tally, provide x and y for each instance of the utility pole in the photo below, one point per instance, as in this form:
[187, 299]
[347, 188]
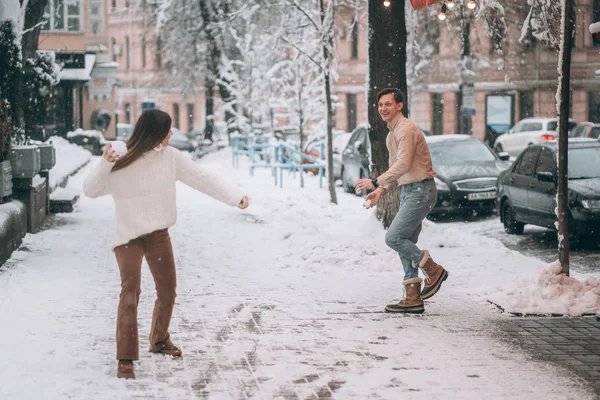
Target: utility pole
[467, 88]
[564, 98]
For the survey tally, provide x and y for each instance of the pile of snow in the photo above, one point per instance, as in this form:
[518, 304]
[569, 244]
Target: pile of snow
[88, 133]
[550, 293]
[69, 158]
[595, 28]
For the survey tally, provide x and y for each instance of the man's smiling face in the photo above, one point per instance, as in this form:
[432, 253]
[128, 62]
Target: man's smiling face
[388, 108]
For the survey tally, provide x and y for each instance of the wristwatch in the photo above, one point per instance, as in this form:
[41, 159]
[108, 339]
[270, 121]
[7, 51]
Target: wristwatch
[374, 182]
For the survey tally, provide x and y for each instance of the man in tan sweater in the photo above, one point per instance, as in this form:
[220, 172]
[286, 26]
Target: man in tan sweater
[409, 166]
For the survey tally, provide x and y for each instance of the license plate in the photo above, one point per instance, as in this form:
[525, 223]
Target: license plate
[481, 196]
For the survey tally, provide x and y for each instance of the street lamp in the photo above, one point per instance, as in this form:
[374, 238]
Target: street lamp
[450, 4]
[472, 4]
[387, 3]
[442, 15]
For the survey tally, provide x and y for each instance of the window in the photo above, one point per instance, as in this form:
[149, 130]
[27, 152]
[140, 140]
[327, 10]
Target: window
[438, 114]
[127, 3]
[460, 152]
[497, 28]
[354, 138]
[355, 41]
[127, 44]
[429, 33]
[113, 45]
[584, 163]
[157, 56]
[529, 161]
[545, 162]
[363, 138]
[176, 115]
[113, 5]
[351, 104]
[128, 113]
[596, 16]
[516, 128]
[553, 125]
[577, 132]
[143, 45]
[62, 16]
[190, 117]
[532, 127]
[594, 106]
[525, 105]
[594, 133]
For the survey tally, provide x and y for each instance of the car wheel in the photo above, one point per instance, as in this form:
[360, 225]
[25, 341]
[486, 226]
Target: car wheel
[498, 148]
[348, 188]
[511, 225]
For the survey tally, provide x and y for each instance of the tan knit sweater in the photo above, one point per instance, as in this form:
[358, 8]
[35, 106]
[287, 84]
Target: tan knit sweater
[144, 192]
[409, 159]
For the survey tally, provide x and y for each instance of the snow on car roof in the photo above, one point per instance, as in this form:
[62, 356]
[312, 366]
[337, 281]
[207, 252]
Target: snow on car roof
[576, 143]
[448, 138]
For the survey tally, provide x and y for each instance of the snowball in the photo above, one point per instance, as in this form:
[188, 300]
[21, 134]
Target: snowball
[595, 28]
[119, 146]
[367, 204]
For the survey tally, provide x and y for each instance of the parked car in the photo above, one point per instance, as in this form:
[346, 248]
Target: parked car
[467, 173]
[91, 140]
[356, 156]
[288, 134]
[181, 141]
[586, 130]
[317, 144]
[340, 142]
[124, 131]
[527, 190]
[527, 132]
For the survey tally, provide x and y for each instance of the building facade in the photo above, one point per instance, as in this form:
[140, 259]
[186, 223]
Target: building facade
[77, 32]
[352, 69]
[513, 78]
[137, 50]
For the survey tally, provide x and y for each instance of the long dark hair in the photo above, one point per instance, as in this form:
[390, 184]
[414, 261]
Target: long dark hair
[152, 127]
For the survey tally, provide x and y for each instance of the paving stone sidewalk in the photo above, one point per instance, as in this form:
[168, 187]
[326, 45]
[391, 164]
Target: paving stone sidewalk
[573, 343]
[250, 326]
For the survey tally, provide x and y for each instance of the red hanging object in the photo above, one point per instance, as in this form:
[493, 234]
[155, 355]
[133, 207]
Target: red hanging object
[419, 4]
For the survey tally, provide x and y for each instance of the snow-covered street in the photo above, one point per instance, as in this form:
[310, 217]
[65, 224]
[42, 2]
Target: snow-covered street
[281, 301]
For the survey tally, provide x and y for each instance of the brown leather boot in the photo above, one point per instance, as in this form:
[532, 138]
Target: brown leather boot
[411, 303]
[125, 369]
[434, 273]
[167, 348]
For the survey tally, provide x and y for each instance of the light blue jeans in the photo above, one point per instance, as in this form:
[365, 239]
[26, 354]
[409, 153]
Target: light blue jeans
[416, 201]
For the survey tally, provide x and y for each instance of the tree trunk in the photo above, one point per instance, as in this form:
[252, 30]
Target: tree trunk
[33, 16]
[330, 116]
[227, 100]
[299, 88]
[209, 110]
[563, 96]
[387, 68]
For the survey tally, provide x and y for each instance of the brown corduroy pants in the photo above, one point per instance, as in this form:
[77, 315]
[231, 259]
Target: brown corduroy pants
[156, 248]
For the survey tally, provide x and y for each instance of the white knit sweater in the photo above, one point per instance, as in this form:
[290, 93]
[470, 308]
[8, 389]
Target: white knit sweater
[144, 191]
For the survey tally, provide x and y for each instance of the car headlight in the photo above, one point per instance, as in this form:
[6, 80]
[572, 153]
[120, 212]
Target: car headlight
[591, 204]
[441, 186]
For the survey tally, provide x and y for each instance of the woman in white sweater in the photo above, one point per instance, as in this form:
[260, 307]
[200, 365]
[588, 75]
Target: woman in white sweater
[142, 185]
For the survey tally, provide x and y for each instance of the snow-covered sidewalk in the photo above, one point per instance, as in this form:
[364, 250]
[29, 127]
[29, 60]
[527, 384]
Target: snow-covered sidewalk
[281, 301]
